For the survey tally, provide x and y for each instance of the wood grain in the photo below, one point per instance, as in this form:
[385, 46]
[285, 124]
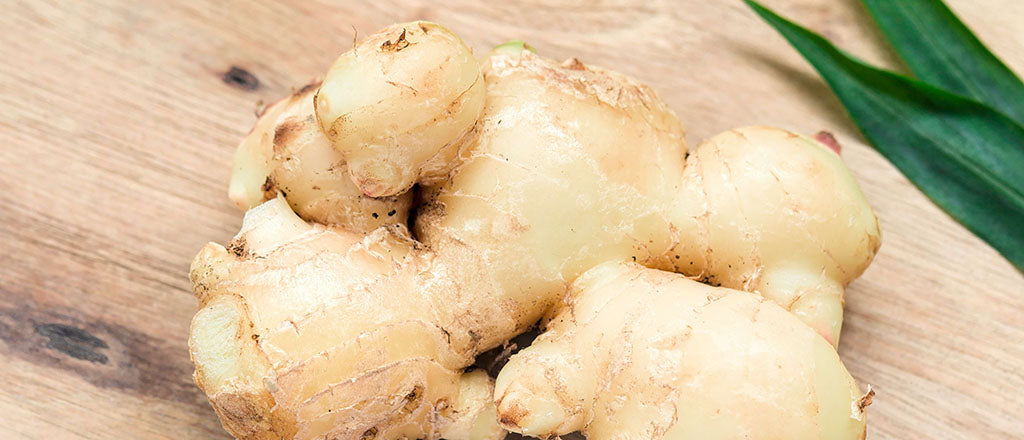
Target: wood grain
[118, 120]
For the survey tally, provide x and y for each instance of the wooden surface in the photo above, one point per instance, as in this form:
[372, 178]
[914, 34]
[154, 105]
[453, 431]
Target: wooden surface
[117, 124]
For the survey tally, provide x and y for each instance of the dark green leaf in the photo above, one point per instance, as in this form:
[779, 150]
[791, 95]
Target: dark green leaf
[942, 51]
[965, 156]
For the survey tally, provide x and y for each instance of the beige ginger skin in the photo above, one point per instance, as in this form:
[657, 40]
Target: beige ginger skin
[644, 353]
[394, 105]
[607, 178]
[287, 152]
[306, 331]
[531, 174]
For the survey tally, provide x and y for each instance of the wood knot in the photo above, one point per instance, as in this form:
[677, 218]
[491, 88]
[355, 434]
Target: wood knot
[74, 342]
[240, 78]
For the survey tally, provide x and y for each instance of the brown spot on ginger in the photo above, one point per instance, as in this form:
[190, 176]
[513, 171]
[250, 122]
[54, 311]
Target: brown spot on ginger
[573, 64]
[238, 247]
[285, 133]
[865, 400]
[400, 43]
[511, 417]
[269, 188]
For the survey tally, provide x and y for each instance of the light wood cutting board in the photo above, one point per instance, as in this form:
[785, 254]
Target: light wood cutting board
[117, 124]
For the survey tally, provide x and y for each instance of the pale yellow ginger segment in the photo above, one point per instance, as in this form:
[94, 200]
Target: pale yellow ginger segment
[639, 353]
[311, 332]
[410, 399]
[545, 188]
[395, 105]
[368, 351]
[230, 368]
[474, 420]
[251, 164]
[287, 152]
[222, 320]
[769, 211]
[470, 416]
[571, 165]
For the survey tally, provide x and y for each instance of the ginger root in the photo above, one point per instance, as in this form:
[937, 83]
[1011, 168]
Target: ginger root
[326, 318]
[288, 153]
[571, 166]
[306, 330]
[644, 353]
[394, 104]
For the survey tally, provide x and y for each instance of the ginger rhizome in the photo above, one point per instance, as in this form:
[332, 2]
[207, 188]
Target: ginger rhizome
[325, 317]
[644, 353]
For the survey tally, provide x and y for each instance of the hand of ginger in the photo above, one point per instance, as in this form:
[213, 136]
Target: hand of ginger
[530, 174]
[305, 330]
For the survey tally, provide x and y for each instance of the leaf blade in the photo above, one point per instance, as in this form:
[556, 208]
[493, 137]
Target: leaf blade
[941, 50]
[966, 157]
